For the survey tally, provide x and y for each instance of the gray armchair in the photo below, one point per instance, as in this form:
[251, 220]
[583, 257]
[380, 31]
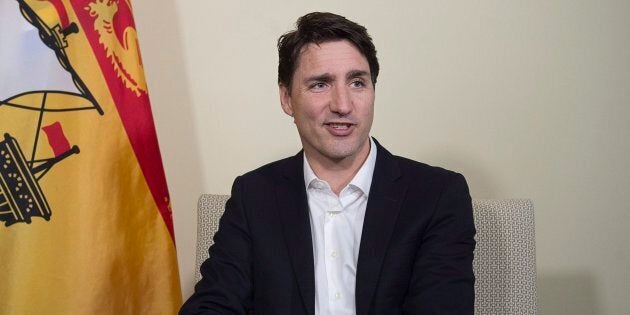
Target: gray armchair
[504, 264]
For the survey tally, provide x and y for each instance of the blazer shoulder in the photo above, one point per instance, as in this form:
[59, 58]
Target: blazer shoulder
[271, 171]
[415, 170]
[411, 171]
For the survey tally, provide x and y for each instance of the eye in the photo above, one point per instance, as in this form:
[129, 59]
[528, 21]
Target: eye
[317, 86]
[357, 84]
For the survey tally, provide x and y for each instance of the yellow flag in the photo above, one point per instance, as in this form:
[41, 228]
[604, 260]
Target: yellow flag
[85, 218]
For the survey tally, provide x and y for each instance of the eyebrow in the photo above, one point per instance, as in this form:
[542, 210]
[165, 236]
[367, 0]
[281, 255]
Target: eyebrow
[327, 77]
[357, 73]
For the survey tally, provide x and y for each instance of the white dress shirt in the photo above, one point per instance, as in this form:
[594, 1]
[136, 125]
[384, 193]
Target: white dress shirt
[336, 226]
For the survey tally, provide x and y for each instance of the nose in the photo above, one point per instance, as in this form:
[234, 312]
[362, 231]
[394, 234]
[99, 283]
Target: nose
[341, 101]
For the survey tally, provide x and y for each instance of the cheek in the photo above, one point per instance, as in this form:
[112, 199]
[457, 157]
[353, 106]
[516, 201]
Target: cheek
[367, 106]
[364, 98]
[309, 112]
[304, 119]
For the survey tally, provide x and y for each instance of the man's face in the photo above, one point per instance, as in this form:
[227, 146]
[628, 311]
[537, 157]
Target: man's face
[331, 101]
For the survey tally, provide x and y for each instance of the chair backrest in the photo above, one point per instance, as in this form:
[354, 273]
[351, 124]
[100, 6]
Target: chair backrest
[504, 264]
[505, 257]
[209, 211]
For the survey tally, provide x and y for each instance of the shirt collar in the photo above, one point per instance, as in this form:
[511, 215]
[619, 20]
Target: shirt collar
[363, 178]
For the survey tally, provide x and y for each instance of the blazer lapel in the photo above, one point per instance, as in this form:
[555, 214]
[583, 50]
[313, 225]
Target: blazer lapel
[386, 195]
[294, 214]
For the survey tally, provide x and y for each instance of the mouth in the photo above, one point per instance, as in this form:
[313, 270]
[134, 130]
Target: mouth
[339, 126]
[339, 129]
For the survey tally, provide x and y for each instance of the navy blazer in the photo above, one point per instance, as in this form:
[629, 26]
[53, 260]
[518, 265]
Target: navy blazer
[415, 255]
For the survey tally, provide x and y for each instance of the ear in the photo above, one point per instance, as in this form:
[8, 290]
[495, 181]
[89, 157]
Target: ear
[285, 99]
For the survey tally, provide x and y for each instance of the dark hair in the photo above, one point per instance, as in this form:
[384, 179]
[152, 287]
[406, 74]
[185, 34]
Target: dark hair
[319, 27]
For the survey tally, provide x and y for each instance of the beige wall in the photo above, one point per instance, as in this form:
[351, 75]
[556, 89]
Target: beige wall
[525, 98]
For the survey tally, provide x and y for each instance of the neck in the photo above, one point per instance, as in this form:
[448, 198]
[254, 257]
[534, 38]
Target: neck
[338, 173]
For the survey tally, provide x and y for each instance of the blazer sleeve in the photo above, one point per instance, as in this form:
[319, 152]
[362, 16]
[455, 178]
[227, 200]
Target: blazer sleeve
[442, 279]
[226, 284]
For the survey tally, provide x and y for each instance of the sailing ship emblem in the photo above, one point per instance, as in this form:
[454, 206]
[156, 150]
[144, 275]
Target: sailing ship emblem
[21, 196]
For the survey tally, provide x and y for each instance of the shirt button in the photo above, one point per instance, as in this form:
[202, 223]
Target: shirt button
[337, 296]
[333, 254]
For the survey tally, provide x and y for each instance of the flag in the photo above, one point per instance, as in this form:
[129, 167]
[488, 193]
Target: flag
[85, 217]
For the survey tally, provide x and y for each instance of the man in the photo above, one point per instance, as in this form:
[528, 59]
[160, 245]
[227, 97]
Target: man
[343, 227]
